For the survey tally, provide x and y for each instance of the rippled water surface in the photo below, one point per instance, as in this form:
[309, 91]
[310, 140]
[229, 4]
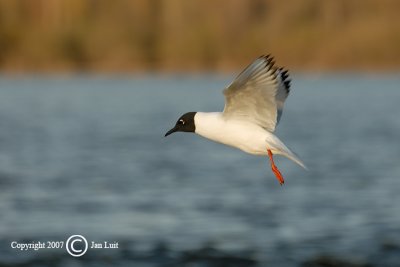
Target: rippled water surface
[87, 155]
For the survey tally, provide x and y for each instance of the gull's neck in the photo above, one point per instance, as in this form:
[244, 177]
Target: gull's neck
[209, 124]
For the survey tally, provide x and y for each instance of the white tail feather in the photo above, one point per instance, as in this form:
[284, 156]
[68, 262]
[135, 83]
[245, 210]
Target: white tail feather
[278, 147]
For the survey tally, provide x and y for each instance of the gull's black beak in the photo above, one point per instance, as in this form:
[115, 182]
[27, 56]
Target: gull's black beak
[175, 129]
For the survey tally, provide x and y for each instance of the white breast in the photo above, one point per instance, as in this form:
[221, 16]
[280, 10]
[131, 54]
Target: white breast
[248, 137]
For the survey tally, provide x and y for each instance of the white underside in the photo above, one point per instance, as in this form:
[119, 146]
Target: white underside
[240, 134]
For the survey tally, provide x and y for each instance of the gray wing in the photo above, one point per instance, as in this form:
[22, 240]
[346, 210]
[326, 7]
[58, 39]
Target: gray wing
[258, 93]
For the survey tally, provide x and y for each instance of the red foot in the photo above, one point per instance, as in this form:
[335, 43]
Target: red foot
[275, 169]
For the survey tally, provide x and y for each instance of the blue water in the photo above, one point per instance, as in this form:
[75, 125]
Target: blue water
[87, 155]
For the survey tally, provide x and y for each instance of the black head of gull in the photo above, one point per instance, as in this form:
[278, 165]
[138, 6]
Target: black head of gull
[184, 124]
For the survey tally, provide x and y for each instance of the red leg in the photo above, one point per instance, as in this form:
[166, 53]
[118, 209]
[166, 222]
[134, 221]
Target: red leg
[275, 169]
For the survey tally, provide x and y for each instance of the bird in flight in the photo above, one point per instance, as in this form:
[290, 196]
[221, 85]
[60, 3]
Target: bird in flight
[253, 107]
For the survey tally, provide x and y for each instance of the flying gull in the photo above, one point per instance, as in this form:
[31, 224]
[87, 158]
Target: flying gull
[253, 107]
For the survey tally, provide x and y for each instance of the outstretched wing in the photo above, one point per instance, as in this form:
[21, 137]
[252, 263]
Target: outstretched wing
[258, 94]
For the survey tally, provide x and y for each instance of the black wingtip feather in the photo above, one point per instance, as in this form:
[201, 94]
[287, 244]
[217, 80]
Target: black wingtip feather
[268, 58]
[284, 74]
[287, 85]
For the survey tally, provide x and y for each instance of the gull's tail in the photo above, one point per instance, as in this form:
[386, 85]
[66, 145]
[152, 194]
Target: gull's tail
[278, 147]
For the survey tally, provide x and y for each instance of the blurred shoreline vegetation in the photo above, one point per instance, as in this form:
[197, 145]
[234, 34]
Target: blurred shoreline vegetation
[178, 35]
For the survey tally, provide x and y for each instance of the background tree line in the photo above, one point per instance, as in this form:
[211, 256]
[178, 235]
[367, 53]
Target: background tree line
[178, 35]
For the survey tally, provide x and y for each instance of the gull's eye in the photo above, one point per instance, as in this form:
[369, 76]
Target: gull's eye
[181, 121]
